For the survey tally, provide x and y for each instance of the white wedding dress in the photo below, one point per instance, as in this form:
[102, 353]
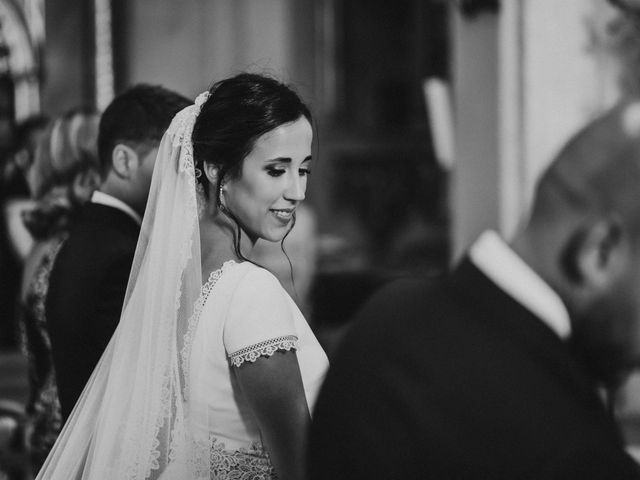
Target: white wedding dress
[163, 403]
[243, 313]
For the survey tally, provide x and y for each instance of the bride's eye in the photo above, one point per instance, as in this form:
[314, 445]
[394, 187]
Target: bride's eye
[303, 172]
[275, 172]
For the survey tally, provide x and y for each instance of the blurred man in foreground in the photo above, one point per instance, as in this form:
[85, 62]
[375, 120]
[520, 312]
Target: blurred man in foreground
[494, 372]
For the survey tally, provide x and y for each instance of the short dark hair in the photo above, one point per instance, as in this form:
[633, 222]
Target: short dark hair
[137, 117]
[239, 110]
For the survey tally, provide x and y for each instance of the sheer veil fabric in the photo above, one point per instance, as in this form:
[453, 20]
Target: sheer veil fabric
[133, 419]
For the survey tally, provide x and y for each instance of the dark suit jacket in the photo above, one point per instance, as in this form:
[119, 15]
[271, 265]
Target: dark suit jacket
[459, 381]
[86, 292]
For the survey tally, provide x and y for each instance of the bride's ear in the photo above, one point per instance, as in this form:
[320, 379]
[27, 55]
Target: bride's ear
[211, 172]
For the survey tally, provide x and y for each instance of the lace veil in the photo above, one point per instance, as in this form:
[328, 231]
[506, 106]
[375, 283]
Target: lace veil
[133, 419]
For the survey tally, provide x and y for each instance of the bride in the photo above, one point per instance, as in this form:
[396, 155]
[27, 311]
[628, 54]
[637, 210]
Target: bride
[213, 371]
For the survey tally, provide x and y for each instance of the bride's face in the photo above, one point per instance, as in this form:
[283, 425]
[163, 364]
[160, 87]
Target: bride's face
[272, 181]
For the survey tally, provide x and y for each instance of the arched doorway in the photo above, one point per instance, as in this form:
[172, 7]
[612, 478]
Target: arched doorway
[21, 36]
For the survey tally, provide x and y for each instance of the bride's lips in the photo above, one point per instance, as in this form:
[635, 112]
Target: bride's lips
[284, 214]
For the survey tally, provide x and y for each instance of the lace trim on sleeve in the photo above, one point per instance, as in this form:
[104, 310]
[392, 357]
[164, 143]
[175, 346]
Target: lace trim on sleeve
[263, 349]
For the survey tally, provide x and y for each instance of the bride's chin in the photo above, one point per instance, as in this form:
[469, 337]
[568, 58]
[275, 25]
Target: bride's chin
[273, 236]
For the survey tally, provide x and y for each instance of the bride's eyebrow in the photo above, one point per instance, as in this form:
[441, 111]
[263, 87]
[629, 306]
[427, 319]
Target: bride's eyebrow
[285, 160]
[279, 160]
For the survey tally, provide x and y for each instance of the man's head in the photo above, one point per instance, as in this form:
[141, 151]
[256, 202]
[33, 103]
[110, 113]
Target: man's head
[584, 238]
[131, 128]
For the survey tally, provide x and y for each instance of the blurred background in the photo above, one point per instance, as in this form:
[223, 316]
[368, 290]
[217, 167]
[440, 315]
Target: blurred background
[433, 117]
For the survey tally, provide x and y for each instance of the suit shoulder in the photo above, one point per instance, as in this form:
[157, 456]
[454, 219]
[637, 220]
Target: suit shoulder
[394, 309]
[401, 295]
[100, 239]
[89, 254]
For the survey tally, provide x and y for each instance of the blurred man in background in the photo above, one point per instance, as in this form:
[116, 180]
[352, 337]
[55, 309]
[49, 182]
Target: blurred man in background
[90, 274]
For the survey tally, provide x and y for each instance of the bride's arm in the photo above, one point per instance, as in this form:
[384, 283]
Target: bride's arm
[275, 393]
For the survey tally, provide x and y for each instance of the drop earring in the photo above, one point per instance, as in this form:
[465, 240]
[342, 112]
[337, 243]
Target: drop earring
[220, 185]
[221, 205]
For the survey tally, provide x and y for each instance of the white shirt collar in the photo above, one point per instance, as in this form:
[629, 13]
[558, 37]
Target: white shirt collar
[508, 271]
[111, 201]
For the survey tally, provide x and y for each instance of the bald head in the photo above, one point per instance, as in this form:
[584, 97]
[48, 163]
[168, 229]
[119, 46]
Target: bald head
[597, 172]
[583, 238]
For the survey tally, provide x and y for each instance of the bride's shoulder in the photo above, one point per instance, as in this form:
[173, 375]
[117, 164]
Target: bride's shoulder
[238, 276]
[256, 273]
[254, 279]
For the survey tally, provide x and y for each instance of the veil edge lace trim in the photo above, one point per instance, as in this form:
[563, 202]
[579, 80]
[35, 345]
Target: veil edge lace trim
[185, 353]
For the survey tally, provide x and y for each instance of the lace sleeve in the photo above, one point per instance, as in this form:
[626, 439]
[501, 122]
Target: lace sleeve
[263, 349]
[260, 319]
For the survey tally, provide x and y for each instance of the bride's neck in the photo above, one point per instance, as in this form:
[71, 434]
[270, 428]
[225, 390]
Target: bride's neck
[218, 242]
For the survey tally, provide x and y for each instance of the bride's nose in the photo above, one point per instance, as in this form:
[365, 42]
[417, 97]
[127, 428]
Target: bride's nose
[296, 188]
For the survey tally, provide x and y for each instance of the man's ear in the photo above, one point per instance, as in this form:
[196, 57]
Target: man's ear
[124, 160]
[600, 253]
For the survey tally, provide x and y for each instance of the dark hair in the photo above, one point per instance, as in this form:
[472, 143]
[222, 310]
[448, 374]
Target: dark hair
[138, 117]
[239, 110]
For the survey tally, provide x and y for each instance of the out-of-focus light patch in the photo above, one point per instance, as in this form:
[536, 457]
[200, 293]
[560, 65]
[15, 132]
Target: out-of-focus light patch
[438, 103]
[34, 15]
[631, 119]
[104, 54]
